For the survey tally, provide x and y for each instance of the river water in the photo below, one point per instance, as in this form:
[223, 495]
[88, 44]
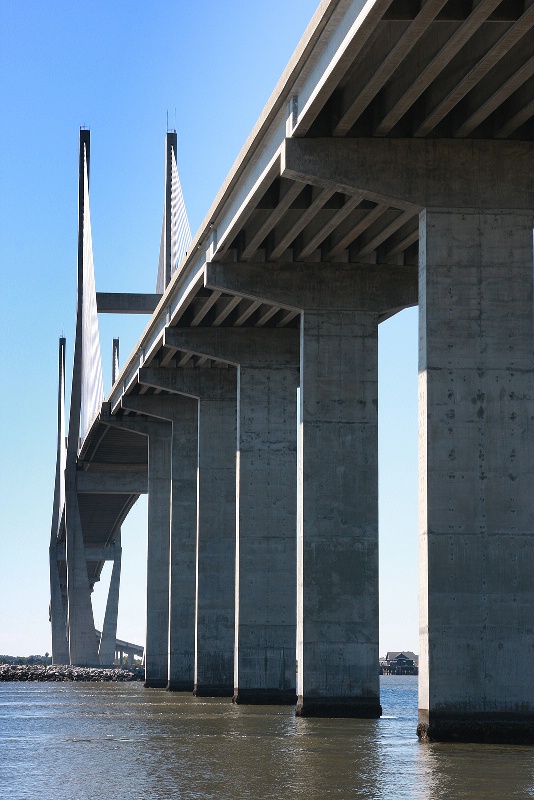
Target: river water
[83, 741]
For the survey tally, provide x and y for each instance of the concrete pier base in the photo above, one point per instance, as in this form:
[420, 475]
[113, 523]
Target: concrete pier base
[265, 697]
[476, 395]
[477, 728]
[211, 690]
[361, 707]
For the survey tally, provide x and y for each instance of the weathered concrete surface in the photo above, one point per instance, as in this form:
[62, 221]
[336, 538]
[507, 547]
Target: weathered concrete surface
[476, 399]
[266, 545]
[337, 618]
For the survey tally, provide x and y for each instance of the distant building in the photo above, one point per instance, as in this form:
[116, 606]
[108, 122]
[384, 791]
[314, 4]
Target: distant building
[399, 663]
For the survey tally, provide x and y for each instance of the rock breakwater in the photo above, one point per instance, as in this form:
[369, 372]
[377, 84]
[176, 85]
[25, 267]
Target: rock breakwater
[55, 672]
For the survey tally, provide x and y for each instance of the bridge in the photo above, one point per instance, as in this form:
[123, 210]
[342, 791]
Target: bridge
[392, 166]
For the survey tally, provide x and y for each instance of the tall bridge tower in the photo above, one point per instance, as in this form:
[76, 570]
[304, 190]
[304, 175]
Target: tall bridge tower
[91, 503]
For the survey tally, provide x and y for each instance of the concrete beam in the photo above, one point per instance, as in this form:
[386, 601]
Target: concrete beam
[104, 553]
[111, 482]
[357, 287]
[415, 173]
[139, 424]
[162, 407]
[126, 303]
[206, 383]
[258, 346]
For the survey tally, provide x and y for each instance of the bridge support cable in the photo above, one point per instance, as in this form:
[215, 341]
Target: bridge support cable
[175, 233]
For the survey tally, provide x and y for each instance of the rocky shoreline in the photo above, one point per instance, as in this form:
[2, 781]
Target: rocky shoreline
[58, 672]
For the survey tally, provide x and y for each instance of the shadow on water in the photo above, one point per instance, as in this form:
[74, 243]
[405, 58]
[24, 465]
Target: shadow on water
[81, 741]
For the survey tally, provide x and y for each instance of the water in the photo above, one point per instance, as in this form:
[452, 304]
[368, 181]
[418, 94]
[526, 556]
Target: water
[70, 741]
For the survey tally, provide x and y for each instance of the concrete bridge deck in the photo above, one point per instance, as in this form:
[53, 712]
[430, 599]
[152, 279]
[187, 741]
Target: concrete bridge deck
[391, 166]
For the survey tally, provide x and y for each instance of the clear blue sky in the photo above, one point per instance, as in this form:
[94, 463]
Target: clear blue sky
[119, 68]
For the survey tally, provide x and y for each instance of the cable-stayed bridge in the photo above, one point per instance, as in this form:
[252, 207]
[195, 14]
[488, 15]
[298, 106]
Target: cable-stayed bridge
[90, 503]
[392, 166]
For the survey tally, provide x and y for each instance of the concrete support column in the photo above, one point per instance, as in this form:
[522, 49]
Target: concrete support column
[159, 512]
[337, 606]
[476, 398]
[215, 610]
[213, 518]
[337, 616]
[183, 545]
[83, 646]
[58, 612]
[109, 628]
[175, 420]
[266, 534]
[265, 555]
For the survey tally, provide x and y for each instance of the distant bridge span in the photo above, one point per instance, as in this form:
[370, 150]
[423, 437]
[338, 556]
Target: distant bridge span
[393, 165]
